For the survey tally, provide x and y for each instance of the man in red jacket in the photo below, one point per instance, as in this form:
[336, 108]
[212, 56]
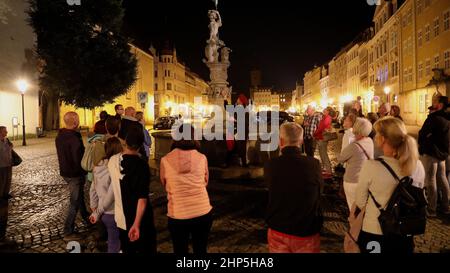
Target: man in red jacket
[70, 150]
[324, 125]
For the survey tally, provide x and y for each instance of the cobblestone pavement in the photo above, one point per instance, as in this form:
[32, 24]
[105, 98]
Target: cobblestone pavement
[40, 200]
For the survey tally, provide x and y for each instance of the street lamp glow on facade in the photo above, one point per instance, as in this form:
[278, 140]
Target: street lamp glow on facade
[387, 91]
[22, 85]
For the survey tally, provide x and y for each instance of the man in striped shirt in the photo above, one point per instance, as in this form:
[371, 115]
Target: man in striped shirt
[310, 125]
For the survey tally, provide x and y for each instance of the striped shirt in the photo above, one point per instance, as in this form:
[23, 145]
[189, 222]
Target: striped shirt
[311, 125]
[184, 174]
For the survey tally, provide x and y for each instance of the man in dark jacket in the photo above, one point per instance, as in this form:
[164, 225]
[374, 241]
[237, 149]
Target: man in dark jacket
[434, 138]
[295, 183]
[70, 150]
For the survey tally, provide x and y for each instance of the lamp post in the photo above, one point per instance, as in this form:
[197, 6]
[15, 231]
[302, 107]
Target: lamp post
[22, 85]
[387, 91]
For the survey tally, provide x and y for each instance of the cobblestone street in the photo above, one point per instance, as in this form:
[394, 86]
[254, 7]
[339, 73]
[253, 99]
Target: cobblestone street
[40, 199]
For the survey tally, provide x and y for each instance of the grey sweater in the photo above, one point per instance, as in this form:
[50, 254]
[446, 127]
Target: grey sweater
[101, 191]
[354, 158]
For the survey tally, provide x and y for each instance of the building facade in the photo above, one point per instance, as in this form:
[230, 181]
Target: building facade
[175, 85]
[144, 84]
[404, 59]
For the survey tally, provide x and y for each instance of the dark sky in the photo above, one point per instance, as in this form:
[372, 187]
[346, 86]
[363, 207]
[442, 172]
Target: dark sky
[282, 38]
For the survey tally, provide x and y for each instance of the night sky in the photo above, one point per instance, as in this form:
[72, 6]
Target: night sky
[282, 38]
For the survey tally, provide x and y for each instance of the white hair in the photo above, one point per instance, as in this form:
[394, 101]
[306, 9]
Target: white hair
[362, 127]
[291, 133]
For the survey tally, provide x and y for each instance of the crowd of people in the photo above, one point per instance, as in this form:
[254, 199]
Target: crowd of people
[120, 177]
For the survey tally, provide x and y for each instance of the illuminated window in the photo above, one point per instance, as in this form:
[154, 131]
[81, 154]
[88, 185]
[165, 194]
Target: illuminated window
[436, 27]
[428, 67]
[419, 38]
[156, 87]
[169, 86]
[427, 33]
[410, 72]
[420, 71]
[446, 20]
[419, 6]
[436, 61]
[447, 59]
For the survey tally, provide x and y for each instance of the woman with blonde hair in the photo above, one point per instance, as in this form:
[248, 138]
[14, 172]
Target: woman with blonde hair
[377, 184]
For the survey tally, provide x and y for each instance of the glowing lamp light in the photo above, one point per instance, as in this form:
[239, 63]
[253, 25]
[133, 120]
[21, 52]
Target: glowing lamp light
[346, 98]
[323, 103]
[387, 90]
[22, 85]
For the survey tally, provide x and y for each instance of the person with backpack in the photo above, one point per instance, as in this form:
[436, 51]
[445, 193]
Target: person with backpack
[377, 187]
[102, 195]
[434, 139]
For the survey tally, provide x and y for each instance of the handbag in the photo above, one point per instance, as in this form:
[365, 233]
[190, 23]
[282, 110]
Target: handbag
[16, 159]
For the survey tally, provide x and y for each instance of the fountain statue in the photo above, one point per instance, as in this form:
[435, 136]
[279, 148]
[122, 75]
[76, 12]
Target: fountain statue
[218, 61]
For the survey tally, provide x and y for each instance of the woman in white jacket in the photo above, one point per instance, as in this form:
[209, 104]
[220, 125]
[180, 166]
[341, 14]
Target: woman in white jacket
[354, 156]
[402, 155]
[102, 195]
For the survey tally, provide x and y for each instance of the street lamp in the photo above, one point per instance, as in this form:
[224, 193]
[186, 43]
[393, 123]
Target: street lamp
[387, 91]
[22, 85]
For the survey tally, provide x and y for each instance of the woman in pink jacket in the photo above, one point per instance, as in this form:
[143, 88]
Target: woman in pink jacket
[184, 174]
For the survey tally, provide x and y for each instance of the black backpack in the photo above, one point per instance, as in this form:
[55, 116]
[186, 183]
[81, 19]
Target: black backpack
[405, 213]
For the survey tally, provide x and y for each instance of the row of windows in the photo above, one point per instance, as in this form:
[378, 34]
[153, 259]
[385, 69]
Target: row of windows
[422, 5]
[436, 29]
[165, 59]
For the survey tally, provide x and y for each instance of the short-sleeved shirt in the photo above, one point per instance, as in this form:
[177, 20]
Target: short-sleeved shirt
[134, 185]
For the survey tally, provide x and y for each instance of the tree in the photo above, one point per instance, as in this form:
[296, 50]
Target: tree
[85, 60]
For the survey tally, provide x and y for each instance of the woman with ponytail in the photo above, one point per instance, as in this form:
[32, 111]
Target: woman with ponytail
[401, 154]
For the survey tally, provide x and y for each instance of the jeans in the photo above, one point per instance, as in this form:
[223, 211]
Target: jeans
[284, 243]
[181, 230]
[310, 146]
[76, 188]
[323, 151]
[113, 233]
[435, 181]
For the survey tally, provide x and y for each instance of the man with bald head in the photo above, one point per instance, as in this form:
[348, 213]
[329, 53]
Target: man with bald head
[295, 183]
[70, 150]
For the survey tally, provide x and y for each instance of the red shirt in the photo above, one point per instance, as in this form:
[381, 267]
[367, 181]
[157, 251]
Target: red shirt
[324, 124]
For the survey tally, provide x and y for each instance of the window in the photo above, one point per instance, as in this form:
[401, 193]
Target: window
[169, 86]
[436, 27]
[447, 59]
[420, 71]
[168, 73]
[427, 33]
[156, 73]
[428, 67]
[436, 61]
[156, 87]
[446, 20]
[410, 72]
[419, 38]
[427, 3]
[419, 6]
[405, 75]
[385, 45]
